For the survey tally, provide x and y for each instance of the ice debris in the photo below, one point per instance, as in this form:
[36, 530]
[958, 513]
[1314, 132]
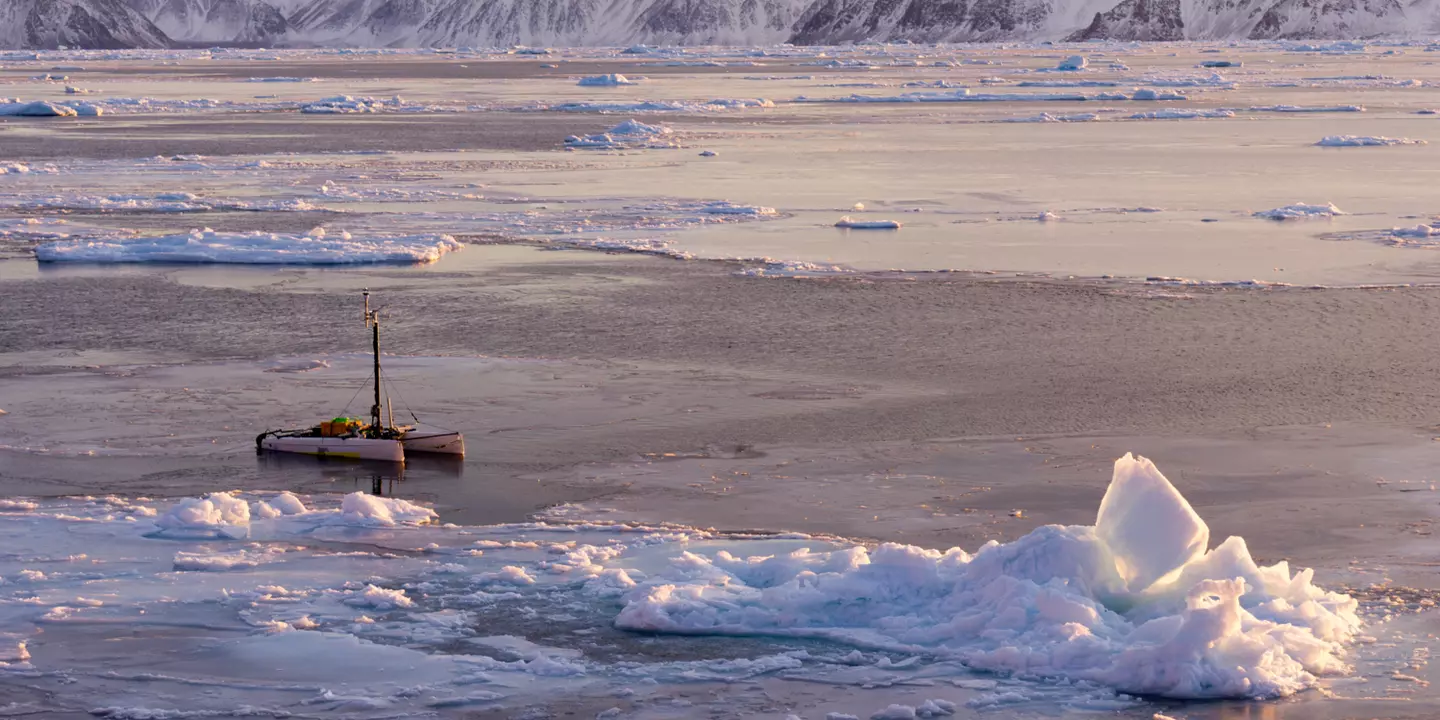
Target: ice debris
[1074, 63]
[1364, 141]
[253, 248]
[1301, 211]
[1134, 603]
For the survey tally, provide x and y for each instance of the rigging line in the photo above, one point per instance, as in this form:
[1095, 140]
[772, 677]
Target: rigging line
[346, 409]
[393, 388]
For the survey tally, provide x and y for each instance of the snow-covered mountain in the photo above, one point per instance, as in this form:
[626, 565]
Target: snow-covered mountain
[47, 24]
[418, 23]
[215, 21]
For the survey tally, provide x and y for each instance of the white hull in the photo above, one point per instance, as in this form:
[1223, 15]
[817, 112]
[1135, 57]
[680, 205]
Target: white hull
[447, 443]
[354, 448]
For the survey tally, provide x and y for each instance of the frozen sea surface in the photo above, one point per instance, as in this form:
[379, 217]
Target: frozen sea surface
[1163, 177]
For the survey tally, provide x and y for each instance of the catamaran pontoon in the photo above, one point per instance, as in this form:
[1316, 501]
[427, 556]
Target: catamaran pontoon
[346, 437]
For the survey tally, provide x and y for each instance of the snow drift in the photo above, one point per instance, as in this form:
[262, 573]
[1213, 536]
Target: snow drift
[1135, 602]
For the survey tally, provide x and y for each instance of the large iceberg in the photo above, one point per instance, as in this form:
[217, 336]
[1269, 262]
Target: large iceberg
[1135, 603]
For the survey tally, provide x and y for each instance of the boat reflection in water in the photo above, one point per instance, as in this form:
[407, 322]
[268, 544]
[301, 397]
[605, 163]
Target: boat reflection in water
[287, 470]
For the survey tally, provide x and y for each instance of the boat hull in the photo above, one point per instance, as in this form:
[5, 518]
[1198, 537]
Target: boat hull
[445, 443]
[354, 448]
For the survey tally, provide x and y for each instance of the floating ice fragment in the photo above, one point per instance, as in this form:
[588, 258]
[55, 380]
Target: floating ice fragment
[628, 134]
[1305, 109]
[1364, 141]
[1182, 114]
[708, 153]
[1048, 118]
[378, 598]
[39, 108]
[216, 515]
[1074, 63]
[895, 712]
[1301, 211]
[362, 509]
[254, 248]
[610, 80]
[850, 223]
[1151, 94]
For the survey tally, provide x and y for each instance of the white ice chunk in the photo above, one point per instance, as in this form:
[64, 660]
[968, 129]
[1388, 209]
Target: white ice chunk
[1301, 211]
[217, 515]
[850, 223]
[1182, 114]
[610, 80]
[1074, 63]
[38, 108]
[1147, 524]
[253, 248]
[361, 509]
[1365, 141]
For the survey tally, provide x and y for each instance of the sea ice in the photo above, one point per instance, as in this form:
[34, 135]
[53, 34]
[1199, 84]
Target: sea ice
[1307, 109]
[1364, 141]
[1048, 118]
[344, 104]
[217, 515]
[611, 80]
[1061, 603]
[850, 223]
[1182, 114]
[1301, 211]
[361, 509]
[1149, 94]
[254, 248]
[38, 108]
[1074, 63]
[628, 134]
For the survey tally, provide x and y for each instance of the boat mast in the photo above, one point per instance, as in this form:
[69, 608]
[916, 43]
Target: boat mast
[372, 320]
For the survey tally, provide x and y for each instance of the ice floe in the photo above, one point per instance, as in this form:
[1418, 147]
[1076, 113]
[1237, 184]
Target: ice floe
[1364, 141]
[1308, 109]
[850, 223]
[628, 134]
[345, 104]
[610, 80]
[1182, 114]
[1134, 603]
[41, 108]
[1048, 118]
[256, 248]
[1301, 211]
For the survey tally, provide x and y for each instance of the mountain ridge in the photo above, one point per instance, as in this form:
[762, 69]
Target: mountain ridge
[36, 24]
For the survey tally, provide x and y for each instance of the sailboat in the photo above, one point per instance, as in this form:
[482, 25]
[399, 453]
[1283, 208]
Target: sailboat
[354, 438]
